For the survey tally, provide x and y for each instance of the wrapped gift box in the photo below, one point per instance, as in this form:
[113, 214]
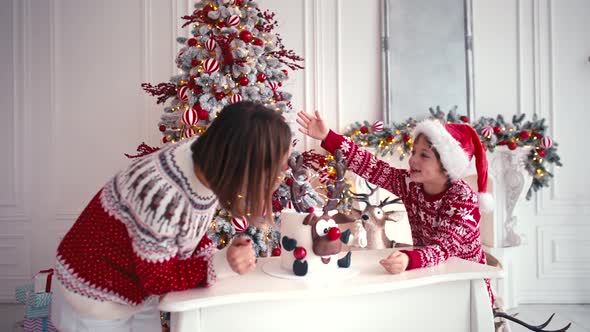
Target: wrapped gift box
[21, 293]
[38, 325]
[36, 303]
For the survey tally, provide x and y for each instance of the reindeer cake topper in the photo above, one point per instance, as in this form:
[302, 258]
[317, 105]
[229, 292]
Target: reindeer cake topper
[370, 222]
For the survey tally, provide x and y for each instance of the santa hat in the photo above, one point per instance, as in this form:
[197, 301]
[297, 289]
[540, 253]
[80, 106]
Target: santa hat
[457, 143]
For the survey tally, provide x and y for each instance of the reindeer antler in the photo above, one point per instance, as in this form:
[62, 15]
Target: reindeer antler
[335, 189]
[364, 197]
[298, 173]
[386, 201]
[536, 328]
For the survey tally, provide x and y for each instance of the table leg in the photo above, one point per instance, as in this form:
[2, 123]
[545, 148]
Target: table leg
[482, 318]
[185, 321]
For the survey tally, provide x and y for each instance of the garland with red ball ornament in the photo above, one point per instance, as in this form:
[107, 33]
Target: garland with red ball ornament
[493, 132]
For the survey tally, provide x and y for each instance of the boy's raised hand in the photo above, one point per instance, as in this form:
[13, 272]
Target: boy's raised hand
[240, 255]
[396, 262]
[312, 125]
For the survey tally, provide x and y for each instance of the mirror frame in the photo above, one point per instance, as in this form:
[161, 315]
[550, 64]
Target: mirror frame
[386, 55]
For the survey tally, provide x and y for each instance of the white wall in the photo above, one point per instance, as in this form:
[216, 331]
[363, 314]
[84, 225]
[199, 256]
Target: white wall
[72, 105]
[532, 57]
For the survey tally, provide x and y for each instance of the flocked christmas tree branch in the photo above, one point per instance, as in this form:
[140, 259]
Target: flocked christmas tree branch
[493, 132]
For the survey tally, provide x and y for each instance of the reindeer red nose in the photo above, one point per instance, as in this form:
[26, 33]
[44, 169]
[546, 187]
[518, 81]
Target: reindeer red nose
[334, 233]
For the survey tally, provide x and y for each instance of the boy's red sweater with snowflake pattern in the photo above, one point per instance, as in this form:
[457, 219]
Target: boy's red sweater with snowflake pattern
[143, 234]
[442, 225]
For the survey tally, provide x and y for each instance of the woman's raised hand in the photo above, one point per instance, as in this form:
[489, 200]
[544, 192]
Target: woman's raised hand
[312, 125]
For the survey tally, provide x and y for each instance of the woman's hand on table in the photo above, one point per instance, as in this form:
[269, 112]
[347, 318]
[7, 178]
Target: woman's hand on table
[240, 255]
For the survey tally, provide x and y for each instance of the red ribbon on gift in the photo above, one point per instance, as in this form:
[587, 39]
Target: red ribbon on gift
[48, 281]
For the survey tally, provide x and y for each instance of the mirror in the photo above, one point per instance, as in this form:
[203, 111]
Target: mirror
[427, 57]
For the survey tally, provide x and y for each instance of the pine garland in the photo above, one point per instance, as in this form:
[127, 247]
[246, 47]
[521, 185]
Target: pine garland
[493, 132]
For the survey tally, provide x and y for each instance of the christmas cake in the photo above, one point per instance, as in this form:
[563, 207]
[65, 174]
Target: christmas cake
[310, 237]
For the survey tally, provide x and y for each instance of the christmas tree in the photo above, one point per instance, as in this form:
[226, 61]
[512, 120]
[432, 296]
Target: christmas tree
[232, 55]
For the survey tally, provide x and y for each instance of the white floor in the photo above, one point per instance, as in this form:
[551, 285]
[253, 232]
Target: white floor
[578, 314]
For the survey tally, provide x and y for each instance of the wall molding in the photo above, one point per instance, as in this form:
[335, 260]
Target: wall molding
[548, 202]
[552, 242]
[18, 248]
[13, 208]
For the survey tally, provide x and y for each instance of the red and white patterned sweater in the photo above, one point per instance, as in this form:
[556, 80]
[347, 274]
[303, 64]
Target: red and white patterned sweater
[442, 225]
[143, 233]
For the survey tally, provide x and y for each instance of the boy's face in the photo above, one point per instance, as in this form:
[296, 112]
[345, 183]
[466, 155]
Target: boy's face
[425, 168]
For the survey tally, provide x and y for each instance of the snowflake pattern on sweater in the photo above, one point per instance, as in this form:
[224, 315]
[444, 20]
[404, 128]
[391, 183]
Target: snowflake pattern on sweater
[442, 225]
[143, 234]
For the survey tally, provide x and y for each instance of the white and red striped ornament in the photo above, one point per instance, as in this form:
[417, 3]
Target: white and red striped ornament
[378, 126]
[190, 117]
[189, 132]
[546, 142]
[240, 224]
[236, 98]
[210, 44]
[182, 93]
[487, 131]
[273, 85]
[211, 65]
[233, 20]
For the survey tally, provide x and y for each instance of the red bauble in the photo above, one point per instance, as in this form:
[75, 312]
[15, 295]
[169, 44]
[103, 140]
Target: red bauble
[364, 129]
[407, 138]
[244, 81]
[310, 209]
[280, 83]
[202, 114]
[334, 233]
[288, 181]
[524, 134]
[390, 138]
[542, 153]
[300, 253]
[258, 42]
[164, 139]
[191, 42]
[512, 146]
[464, 118]
[276, 252]
[219, 95]
[198, 90]
[246, 36]
[207, 9]
[261, 77]
[221, 25]
[162, 128]
[497, 129]
[503, 142]
[195, 62]
[239, 3]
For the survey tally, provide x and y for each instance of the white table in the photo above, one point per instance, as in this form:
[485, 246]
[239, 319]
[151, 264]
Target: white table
[448, 297]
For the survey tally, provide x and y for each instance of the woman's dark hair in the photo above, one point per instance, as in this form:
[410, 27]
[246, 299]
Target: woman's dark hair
[241, 155]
